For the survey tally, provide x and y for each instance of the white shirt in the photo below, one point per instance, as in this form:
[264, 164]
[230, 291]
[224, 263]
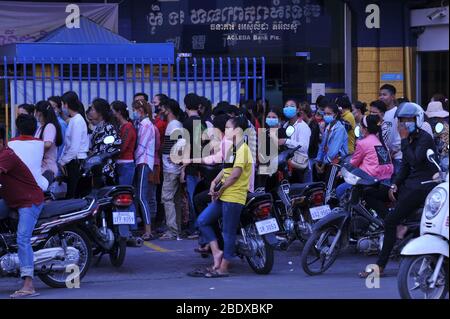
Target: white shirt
[301, 136]
[31, 152]
[168, 165]
[76, 141]
[392, 138]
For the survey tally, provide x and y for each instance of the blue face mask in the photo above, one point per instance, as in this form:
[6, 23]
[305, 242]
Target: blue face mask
[136, 116]
[411, 126]
[290, 111]
[271, 122]
[66, 112]
[328, 118]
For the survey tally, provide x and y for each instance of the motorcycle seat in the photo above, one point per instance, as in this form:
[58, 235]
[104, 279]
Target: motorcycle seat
[57, 208]
[299, 189]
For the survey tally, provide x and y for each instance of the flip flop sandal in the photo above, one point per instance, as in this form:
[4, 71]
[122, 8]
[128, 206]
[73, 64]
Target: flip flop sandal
[215, 274]
[21, 294]
[198, 273]
[365, 274]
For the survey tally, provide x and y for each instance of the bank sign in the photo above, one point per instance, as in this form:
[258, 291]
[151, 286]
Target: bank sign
[197, 26]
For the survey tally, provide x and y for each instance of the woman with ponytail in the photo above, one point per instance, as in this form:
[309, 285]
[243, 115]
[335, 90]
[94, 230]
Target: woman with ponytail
[371, 154]
[76, 141]
[101, 113]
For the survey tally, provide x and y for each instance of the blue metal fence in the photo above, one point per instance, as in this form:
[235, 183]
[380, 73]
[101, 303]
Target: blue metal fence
[219, 79]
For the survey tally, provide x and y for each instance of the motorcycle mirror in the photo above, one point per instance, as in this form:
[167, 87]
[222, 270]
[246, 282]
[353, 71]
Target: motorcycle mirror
[439, 128]
[430, 154]
[357, 132]
[109, 140]
[290, 131]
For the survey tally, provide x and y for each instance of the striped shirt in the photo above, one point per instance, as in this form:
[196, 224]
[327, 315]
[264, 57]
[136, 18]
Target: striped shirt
[145, 149]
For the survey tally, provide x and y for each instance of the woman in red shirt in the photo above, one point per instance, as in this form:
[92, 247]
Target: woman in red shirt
[125, 164]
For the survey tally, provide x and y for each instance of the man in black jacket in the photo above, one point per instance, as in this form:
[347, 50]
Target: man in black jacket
[415, 169]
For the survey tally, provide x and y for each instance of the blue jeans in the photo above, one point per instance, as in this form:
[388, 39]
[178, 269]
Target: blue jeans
[191, 183]
[28, 217]
[142, 190]
[341, 189]
[230, 213]
[125, 173]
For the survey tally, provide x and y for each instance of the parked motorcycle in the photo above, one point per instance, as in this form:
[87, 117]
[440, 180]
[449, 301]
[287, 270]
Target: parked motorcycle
[109, 226]
[60, 245]
[424, 267]
[351, 223]
[255, 223]
[296, 206]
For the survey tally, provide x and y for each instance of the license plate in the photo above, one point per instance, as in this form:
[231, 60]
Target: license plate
[123, 218]
[267, 226]
[319, 212]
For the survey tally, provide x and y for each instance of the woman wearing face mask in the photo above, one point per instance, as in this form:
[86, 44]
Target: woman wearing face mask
[407, 190]
[334, 144]
[301, 136]
[144, 155]
[268, 166]
[371, 155]
[56, 103]
[76, 141]
[125, 163]
[102, 115]
[50, 132]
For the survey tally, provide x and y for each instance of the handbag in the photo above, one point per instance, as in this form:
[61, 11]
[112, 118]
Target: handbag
[299, 161]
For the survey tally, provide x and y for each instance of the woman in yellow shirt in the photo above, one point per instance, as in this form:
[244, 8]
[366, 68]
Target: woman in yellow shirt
[229, 195]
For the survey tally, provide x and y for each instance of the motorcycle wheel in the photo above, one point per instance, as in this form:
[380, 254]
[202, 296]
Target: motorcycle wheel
[315, 251]
[118, 252]
[75, 238]
[262, 262]
[414, 273]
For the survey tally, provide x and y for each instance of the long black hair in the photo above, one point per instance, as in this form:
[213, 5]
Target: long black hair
[102, 107]
[73, 102]
[374, 126]
[49, 116]
[172, 106]
[121, 108]
[56, 100]
[29, 108]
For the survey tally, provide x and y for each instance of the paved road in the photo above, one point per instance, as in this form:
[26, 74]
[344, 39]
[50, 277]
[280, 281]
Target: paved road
[158, 270]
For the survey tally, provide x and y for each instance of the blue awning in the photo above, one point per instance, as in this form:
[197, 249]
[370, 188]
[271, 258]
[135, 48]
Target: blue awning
[91, 43]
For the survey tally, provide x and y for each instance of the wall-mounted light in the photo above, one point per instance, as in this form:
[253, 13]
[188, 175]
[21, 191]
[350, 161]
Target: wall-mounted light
[437, 14]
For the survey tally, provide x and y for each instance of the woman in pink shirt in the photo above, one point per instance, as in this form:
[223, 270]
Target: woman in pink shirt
[371, 155]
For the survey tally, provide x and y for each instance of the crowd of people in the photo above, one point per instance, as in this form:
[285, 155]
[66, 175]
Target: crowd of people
[158, 147]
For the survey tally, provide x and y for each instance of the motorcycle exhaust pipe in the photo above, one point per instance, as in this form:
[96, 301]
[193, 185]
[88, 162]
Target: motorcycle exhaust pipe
[135, 242]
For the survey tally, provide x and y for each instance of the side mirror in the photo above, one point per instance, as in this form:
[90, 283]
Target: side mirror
[290, 131]
[357, 132]
[430, 155]
[439, 128]
[109, 140]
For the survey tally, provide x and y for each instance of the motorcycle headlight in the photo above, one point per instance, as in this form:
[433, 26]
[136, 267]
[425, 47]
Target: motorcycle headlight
[434, 202]
[349, 178]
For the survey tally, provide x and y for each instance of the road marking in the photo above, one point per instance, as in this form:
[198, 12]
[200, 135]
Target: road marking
[157, 248]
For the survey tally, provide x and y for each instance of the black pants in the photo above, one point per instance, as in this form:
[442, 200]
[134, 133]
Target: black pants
[297, 176]
[376, 198]
[408, 201]
[73, 176]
